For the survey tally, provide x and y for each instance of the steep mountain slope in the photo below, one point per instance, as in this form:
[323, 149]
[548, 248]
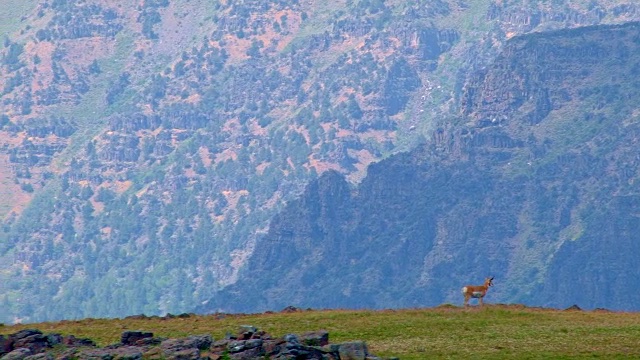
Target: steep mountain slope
[145, 146]
[537, 187]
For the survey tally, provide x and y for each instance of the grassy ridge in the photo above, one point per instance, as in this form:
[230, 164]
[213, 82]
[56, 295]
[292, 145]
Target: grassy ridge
[492, 332]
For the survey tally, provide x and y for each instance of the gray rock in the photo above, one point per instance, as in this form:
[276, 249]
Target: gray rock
[138, 345]
[6, 345]
[77, 342]
[131, 337]
[17, 354]
[315, 338]
[292, 339]
[94, 354]
[306, 352]
[54, 339]
[248, 329]
[128, 353]
[184, 349]
[253, 343]
[273, 347]
[186, 354]
[41, 356]
[202, 342]
[25, 333]
[237, 346]
[355, 350]
[69, 354]
[152, 341]
[121, 353]
[35, 341]
[248, 354]
[220, 345]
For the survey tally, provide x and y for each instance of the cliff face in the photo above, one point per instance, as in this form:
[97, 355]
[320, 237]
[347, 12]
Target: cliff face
[598, 269]
[569, 98]
[535, 186]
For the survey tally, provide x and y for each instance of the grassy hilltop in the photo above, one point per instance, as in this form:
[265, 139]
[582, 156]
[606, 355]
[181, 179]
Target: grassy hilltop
[444, 332]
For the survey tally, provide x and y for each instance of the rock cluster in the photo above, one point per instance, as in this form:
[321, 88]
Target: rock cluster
[33, 344]
[249, 343]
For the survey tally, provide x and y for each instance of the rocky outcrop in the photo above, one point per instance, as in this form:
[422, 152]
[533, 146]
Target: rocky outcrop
[29, 342]
[249, 343]
[538, 73]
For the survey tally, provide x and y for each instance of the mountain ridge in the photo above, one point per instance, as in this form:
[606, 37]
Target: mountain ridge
[501, 197]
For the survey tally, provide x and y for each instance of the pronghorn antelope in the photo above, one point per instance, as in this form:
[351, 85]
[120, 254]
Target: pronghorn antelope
[476, 291]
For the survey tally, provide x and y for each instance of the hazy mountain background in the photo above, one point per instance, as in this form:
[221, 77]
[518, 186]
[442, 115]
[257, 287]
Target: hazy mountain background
[154, 156]
[540, 192]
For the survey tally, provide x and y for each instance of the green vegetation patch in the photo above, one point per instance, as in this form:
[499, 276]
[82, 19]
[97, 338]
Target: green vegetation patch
[491, 332]
[11, 14]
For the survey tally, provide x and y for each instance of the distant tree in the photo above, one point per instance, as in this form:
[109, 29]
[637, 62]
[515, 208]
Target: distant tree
[254, 50]
[353, 108]
[27, 187]
[149, 18]
[94, 68]
[86, 193]
[87, 211]
[117, 88]
[4, 120]
[12, 56]
[26, 104]
[105, 195]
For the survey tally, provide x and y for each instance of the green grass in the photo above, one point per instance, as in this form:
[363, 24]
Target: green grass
[321, 15]
[6, 194]
[471, 20]
[91, 112]
[11, 12]
[445, 332]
